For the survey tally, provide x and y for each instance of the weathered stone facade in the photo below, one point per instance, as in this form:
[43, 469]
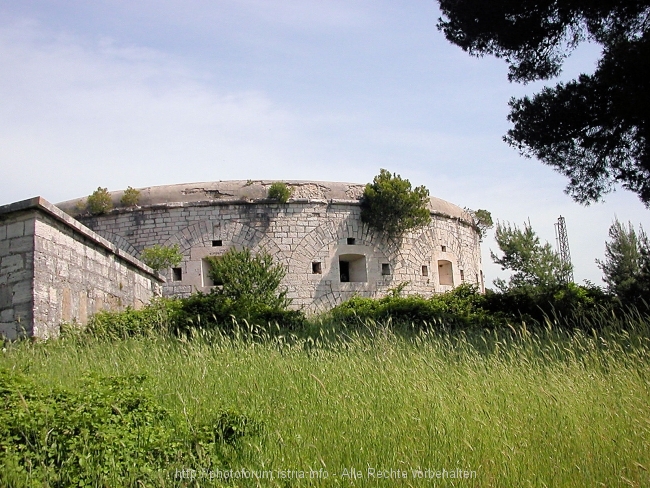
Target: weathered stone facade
[53, 270]
[318, 236]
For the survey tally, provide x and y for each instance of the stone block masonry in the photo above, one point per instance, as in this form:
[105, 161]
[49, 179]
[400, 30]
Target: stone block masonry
[329, 254]
[53, 270]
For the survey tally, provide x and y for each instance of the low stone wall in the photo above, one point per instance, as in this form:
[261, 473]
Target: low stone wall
[54, 270]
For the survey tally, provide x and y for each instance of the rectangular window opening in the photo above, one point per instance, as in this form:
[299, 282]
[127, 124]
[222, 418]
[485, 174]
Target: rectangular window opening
[445, 272]
[206, 280]
[351, 241]
[344, 268]
[217, 243]
[425, 270]
[177, 274]
[462, 276]
[385, 269]
[444, 248]
[316, 268]
[353, 268]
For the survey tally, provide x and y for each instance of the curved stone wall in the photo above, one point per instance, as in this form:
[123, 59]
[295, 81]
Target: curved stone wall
[318, 236]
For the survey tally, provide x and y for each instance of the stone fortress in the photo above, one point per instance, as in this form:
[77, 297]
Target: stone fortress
[329, 254]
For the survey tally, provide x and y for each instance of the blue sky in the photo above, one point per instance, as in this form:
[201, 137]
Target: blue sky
[116, 93]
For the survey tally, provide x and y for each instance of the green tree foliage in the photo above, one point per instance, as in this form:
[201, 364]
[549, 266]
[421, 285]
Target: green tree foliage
[250, 280]
[279, 191]
[594, 129]
[161, 257]
[626, 267]
[482, 220]
[466, 308]
[130, 197]
[99, 202]
[391, 206]
[533, 264]
[248, 288]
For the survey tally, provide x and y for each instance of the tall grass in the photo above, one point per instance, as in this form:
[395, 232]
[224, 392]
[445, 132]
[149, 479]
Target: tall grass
[509, 408]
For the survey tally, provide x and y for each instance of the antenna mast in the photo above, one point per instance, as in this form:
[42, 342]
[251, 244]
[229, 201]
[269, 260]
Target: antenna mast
[562, 240]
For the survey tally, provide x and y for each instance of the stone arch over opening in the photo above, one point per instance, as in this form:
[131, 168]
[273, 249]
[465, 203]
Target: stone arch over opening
[231, 233]
[332, 232]
[459, 240]
[418, 252]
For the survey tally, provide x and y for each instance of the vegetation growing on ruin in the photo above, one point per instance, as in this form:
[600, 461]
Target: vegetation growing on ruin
[248, 287]
[99, 202]
[160, 257]
[279, 191]
[391, 206]
[482, 220]
[130, 197]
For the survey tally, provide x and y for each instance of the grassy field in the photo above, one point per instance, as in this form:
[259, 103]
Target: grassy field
[375, 407]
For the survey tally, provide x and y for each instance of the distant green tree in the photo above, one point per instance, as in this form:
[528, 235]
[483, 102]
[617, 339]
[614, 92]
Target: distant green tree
[533, 264]
[162, 257]
[391, 206]
[249, 280]
[130, 197]
[626, 267]
[99, 202]
[279, 191]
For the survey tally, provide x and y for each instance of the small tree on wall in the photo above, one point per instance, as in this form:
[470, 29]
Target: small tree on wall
[99, 202]
[130, 197]
[482, 220]
[389, 205]
[162, 257]
[279, 191]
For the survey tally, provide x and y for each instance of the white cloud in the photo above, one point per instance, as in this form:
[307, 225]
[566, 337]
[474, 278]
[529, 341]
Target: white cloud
[111, 116]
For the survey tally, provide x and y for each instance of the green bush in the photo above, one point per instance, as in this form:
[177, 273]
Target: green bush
[99, 202]
[279, 191]
[158, 317]
[130, 197]
[391, 206]
[248, 288]
[462, 307]
[214, 311]
[111, 432]
[537, 304]
[161, 257]
[249, 279]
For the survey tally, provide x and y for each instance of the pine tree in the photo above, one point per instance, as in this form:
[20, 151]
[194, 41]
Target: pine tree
[534, 264]
[626, 267]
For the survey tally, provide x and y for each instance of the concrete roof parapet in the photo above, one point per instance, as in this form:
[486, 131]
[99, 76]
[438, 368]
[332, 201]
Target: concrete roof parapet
[250, 192]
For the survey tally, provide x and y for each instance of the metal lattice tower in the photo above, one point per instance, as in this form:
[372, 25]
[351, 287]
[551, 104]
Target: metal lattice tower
[562, 240]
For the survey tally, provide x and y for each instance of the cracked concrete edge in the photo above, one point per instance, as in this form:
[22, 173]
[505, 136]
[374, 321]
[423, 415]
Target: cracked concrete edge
[253, 191]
